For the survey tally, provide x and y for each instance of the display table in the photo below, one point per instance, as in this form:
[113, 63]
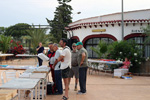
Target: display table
[22, 84]
[42, 77]
[4, 55]
[9, 67]
[102, 64]
[27, 55]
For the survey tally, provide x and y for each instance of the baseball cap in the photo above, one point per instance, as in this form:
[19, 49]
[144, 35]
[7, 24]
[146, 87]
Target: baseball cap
[79, 43]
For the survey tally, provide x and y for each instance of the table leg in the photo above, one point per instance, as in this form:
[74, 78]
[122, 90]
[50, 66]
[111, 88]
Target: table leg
[47, 80]
[19, 95]
[36, 93]
[39, 90]
[31, 94]
[43, 83]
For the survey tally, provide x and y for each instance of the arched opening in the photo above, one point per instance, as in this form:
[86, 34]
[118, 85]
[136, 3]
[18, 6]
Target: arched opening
[139, 38]
[93, 40]
[76, 38]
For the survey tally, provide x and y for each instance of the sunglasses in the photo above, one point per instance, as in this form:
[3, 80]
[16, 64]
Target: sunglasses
[73, 46]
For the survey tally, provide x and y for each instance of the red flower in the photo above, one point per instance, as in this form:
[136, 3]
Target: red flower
[18, 49]
[11, 41]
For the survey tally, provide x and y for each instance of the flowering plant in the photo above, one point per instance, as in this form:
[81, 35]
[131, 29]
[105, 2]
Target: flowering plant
[127, 49]
[17, 48]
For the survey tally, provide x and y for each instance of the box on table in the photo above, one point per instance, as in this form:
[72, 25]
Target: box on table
[7, 94]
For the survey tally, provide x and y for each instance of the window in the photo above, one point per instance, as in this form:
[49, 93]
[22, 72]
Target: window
[93, 42]
[140, 42]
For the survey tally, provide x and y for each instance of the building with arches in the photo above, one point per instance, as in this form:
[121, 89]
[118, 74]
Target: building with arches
[108, 28]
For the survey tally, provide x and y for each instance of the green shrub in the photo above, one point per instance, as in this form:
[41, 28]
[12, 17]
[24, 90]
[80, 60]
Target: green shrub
[122, 49]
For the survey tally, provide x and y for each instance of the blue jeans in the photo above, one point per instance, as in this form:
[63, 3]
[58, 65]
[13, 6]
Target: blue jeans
[58, 81]
[82, 78]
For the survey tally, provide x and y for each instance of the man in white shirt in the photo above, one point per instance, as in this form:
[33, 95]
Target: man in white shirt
[65, 59]
[57, 71]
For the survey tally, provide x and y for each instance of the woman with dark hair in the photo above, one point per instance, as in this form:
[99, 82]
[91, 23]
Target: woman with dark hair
[40, 49]
[126, 64]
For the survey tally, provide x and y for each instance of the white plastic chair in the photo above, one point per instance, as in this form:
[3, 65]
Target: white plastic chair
[101, 66]
[94, 67]
[89, 66]
[8, 75]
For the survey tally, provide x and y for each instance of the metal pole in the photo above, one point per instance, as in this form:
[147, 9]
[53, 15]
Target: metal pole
[122, 23]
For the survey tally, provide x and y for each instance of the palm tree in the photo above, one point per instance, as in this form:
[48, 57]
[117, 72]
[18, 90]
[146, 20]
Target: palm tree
[101, 49]
[5, 43]
[37, 35]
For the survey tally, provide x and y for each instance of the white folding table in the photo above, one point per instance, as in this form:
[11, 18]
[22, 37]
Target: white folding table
[5, 55]
[27, 55]
[104, 62]
[22, 84]
[42, 77]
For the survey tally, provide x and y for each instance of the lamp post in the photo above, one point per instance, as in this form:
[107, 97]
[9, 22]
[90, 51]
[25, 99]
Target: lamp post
[72, 18]
[122, 22]
[75, 13]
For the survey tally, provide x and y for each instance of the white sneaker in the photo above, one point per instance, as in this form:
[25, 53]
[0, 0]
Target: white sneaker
[79, 92]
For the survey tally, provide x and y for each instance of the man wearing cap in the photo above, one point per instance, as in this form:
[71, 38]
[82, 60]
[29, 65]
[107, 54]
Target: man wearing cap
[82, 62]
[74, 66]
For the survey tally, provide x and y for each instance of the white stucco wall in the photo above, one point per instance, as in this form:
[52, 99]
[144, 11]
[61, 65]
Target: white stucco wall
[116, 30]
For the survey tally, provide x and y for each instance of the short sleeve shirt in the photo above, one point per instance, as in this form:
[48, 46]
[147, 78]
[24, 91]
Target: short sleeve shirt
[40, 50]
[57, 55]
[85, 62]
[74, 62]
[66, 52]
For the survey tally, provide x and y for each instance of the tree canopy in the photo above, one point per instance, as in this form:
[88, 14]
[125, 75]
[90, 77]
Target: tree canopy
[2, 30]
[17, 30]
[61, 19]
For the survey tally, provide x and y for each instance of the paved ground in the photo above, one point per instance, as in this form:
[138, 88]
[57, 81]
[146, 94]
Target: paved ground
[103, 87]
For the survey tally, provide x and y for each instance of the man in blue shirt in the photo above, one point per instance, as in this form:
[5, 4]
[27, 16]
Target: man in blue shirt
[40, 49]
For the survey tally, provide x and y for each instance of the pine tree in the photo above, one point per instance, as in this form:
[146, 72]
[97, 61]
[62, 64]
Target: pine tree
[61, 19]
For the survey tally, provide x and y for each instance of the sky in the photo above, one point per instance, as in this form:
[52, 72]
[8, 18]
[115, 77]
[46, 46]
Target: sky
[36, 11]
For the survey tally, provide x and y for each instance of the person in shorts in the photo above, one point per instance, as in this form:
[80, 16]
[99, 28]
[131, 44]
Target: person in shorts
[74, 66]
[65, 59]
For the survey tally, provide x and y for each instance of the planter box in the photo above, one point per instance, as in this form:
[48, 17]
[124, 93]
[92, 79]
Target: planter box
[145, 67]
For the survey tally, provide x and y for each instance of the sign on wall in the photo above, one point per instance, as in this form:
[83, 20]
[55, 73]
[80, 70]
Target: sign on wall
[137, 31]
[99, 30]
